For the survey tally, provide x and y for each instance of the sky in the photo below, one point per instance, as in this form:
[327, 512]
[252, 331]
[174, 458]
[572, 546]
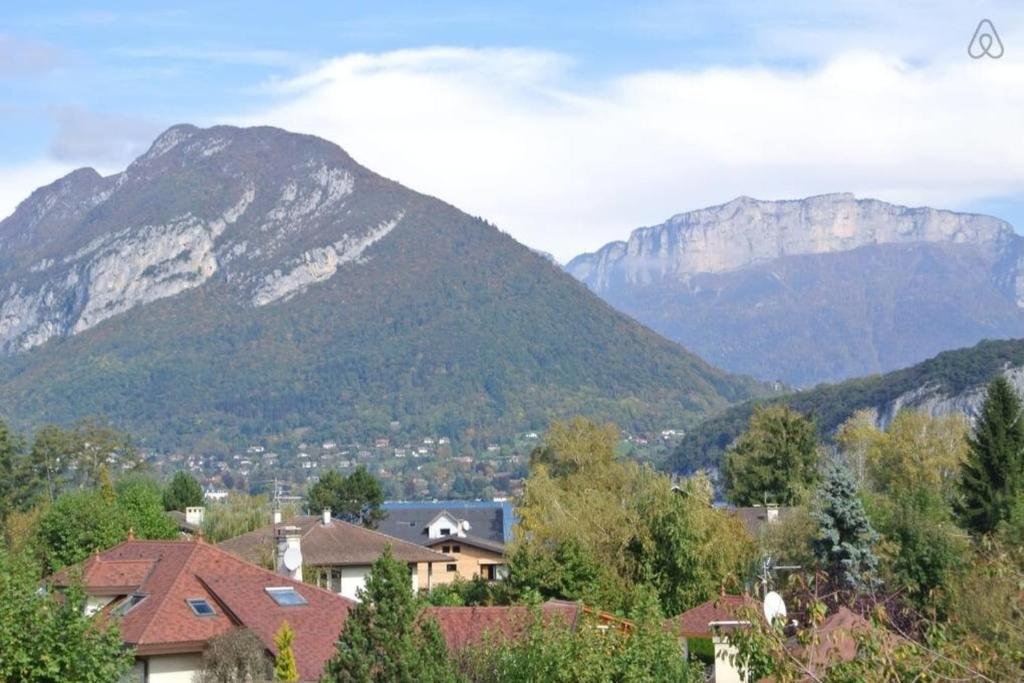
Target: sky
[566, 124]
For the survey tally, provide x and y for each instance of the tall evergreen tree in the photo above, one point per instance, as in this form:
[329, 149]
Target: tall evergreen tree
[845, 540]
[183, 491]
[384, 641]
[775, 459]
[992, 478]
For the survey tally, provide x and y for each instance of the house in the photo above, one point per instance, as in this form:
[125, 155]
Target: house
[759, 517]
[473, 556]
[173, 597]
[335, 554]
[474, 533]
[419, 522]
[713, 620]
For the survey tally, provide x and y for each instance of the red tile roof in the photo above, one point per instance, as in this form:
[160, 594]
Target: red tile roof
[333, 545]
[693, 623]
[170, 572]
[466, 626]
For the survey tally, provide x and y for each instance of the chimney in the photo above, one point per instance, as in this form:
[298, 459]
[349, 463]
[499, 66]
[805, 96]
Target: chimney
[277, 516]
[326, 517]
[194, 515]
[288, 555]
[772, 512]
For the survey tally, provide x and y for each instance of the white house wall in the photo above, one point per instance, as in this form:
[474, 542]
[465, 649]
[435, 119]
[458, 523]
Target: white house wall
[352, 579]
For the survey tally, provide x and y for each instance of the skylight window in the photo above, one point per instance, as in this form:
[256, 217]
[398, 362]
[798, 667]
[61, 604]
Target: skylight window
[285, 596]
[201, 607]
[129, 603]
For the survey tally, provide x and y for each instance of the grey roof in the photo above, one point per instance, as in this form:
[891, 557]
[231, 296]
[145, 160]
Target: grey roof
[409, 521]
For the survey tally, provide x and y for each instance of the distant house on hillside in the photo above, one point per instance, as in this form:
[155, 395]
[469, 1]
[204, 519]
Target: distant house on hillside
[337, 555]
[472, 532]
[173, 597]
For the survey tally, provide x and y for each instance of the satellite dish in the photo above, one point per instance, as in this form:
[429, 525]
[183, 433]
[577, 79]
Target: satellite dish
[292, 559]
[774, 607]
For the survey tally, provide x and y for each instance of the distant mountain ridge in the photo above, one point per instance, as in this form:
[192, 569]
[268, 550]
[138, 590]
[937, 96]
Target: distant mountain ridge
[818, 289]
[233, 284]
[951, 382]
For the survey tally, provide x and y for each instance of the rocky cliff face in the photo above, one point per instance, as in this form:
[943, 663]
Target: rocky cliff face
[87, 248]
[752, 285]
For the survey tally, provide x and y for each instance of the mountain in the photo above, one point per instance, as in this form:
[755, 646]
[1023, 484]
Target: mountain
[951, 382]
[819, 289]
[233, 284]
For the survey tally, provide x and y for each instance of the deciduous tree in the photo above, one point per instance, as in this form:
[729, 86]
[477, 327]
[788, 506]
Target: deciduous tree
[46, 640]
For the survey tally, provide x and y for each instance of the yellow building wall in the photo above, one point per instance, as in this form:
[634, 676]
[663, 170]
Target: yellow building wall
[468, 560]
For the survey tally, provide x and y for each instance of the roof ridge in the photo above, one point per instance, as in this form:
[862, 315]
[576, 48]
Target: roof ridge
[160, 601]
[282, 577]
[393, 538]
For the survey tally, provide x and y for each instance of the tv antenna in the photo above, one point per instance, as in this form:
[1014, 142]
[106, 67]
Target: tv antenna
[768, 570]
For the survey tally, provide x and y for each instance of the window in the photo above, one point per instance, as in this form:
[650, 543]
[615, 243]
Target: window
[129, 603]
[446, 549]
[285, 596]
[446, 531]
[456, 548]
[453, 567]
[200, 607]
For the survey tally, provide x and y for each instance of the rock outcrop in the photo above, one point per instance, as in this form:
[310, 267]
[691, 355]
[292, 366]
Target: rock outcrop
[752, 285]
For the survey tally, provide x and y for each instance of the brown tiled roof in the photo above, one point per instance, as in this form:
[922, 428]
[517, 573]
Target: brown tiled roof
[837, 642]
[170, 572]
[468, 539]
[466, 626]
[693, 623]
[108, 578]
[336, 544]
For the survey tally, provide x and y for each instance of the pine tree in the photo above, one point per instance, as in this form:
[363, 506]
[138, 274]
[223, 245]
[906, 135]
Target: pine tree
[845, 540]
[775, 459]
[384, 641]
[285, 668]
[992, 477]
[183, 491]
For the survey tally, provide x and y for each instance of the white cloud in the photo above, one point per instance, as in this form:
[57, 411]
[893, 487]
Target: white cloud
[564, 166]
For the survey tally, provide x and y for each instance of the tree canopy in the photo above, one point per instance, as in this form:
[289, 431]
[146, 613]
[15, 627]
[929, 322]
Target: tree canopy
[775, 460]
[356, 498]
[603, 529]
[46, 640]
[182, 491]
